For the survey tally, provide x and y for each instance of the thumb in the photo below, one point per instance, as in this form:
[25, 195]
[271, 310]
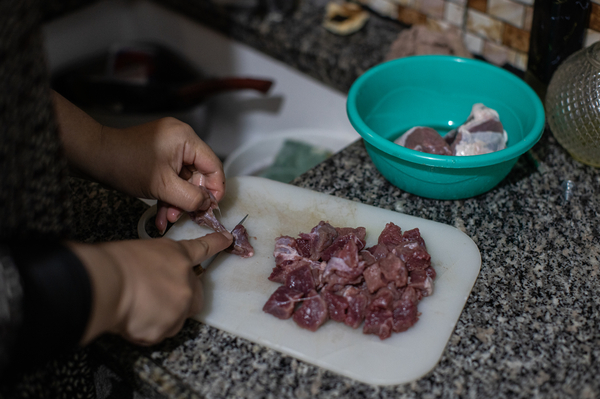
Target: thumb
[186, 195]
[203, 248]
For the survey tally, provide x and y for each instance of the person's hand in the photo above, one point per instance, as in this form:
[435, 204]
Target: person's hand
[167, 161]
[144, 290]
[163, 160]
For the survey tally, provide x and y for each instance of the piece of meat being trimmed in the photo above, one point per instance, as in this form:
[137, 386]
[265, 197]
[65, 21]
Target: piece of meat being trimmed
[207, 218]
[282, 302]
[241, 245]
[312, 313]
[424, 139]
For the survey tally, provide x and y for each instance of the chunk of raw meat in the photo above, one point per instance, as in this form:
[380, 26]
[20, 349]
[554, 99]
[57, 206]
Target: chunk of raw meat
[394, 269]
[379, 313]
[412, 251]
[380, 286]
[301, 279]
[405, 313]
[413, 235]
[345, 264]
[286, 250]
[357, 303]
[241, 245]
[367, 257]
[282, 302]
[419, 280]
[414, 256]
[482, 133]
[280, 272]
[337, 305]
[359, 232]
[312, 313]
[320, 237]
[374, 278]
[339, 243]
[391, 235]
[379, 251]
[424, 139]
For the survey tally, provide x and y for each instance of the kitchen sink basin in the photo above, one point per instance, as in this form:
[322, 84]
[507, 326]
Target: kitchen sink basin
[295, 102]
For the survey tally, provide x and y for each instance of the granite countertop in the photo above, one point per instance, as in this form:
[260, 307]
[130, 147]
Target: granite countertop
[529, 327]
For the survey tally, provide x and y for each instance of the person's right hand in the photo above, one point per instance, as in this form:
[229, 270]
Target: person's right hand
[144, 290]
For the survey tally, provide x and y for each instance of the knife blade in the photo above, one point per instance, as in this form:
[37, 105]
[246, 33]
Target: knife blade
[198, 269]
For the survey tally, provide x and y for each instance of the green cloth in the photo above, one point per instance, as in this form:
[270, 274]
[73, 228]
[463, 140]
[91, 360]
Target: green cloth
[293, 159]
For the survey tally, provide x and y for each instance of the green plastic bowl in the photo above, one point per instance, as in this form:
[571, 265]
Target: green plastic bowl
[439, 91]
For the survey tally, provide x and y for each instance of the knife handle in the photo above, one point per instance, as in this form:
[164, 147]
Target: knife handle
[198, 270]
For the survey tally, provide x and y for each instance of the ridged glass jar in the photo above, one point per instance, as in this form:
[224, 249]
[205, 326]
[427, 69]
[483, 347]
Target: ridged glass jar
[573, 105]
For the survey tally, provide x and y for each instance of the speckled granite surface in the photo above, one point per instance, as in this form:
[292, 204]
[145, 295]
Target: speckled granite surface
[530, 326]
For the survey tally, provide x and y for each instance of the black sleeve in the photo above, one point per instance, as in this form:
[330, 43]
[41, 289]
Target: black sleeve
[56, 301]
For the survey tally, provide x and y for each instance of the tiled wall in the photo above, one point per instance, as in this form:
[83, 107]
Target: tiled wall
[498, 30]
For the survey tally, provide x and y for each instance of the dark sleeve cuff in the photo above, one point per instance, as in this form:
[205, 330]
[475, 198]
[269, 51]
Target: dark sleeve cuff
[57, 299]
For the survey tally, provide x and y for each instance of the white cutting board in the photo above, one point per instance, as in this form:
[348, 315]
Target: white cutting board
[236, 289]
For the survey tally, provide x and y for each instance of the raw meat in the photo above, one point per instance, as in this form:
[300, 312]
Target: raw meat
[241, 245]
[312, 313]
[424, 139]
[282, 302]
[300, 279]
[482, 133]
[329, 274]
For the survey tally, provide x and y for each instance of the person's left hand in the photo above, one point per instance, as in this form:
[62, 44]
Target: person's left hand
[167, 161]
[163, 160]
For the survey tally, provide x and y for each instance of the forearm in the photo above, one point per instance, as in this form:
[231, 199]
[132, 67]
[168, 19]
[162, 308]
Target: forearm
[81, 137]
[107, 283]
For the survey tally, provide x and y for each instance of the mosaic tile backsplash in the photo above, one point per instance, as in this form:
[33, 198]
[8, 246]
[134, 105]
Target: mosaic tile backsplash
[497, 30]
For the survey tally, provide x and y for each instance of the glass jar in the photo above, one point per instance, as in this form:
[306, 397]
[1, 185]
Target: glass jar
[573, 105]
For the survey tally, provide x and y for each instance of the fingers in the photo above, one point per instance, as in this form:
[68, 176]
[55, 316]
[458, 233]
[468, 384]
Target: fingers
[165, 214]
[206, 167]
[186, 196]
[203, 248]
[160, 220]
[198, 300]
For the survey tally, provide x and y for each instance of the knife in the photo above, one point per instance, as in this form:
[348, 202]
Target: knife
[198, 269]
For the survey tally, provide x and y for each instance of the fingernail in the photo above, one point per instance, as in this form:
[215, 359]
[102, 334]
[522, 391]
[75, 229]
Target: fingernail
[228, 235]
